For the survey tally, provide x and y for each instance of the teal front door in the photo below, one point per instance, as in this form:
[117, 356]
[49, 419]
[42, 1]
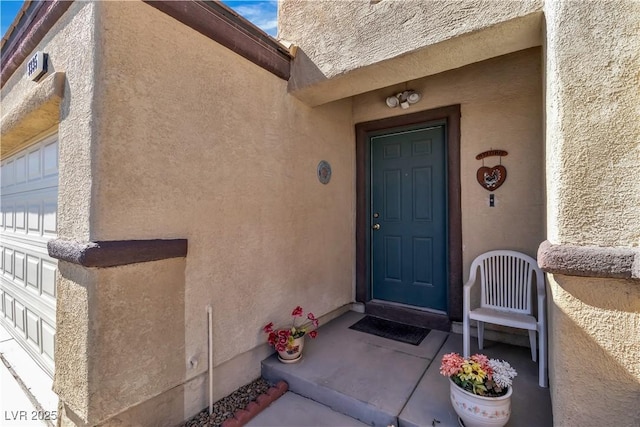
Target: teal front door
[408, 217]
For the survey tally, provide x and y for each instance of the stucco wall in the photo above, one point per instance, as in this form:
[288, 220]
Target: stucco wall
[593, 145]
[592, 167]
[193, 141]
[501, 108]
[113, 324]
[75, 132]
[594, 370]
[362, 33]
[352, 47]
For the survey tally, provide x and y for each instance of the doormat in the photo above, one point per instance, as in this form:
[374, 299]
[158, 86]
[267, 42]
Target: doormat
[391, 330]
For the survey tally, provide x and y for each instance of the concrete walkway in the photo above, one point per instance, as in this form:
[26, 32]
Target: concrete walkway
[26, 398]
[382, 382]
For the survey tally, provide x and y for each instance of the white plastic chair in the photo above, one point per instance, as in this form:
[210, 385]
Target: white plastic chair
[505, 282]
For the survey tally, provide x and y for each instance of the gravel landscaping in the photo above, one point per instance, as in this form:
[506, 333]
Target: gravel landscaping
[227, 406]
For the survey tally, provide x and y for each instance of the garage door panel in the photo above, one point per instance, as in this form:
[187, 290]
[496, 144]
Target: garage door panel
[34, 171]
[33, 219]
[20, 216]
[18, 266]
[50, 159]
[50, 217]
[48, 285]
[33, 329]
[29, 269]
[33, 271]
[48, 340]
[29, 191]
[19, 312]
[8, 313]
[8, 216]
[8, 173]
[7, 268]
[21, 169]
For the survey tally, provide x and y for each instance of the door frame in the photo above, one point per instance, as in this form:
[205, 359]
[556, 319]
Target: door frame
[451, 116]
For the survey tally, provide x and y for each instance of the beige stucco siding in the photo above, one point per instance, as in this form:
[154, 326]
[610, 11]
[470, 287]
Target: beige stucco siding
[501, 108]
[30, 110]
[593, 144]
[75, 131]
[363, 32]
[593, 153]
[195, 142]
[371, 46]
[594, 370]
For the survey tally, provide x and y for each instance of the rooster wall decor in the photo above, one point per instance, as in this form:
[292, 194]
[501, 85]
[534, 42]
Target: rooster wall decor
[491, 178]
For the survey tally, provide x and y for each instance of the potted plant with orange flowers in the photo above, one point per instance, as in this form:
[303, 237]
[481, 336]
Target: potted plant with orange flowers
[289, 341]
[480, 389]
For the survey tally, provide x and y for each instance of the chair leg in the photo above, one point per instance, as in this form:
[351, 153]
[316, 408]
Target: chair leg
[532, 342]
[466, 336]
[542, 374]
[480, 334]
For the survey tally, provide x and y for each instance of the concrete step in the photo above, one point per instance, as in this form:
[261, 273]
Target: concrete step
[293, 410]
[366, 377]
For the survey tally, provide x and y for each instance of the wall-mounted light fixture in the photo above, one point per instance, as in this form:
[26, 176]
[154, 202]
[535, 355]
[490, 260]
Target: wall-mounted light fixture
[403, 99]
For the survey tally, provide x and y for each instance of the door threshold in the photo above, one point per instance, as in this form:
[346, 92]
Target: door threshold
[410, 307]
[410, 315]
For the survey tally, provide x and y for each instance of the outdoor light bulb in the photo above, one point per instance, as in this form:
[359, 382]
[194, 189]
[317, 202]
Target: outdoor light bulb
[392, 102]
[413, 97]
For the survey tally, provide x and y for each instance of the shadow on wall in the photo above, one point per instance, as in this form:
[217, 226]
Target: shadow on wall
[121, 335]
[304, 72]
[594, 346]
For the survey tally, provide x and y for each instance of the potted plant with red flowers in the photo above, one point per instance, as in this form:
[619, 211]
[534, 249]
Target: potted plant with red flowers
[289, 341]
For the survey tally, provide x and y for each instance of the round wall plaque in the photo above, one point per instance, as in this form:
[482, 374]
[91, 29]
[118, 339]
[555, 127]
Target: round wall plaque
[324, 172]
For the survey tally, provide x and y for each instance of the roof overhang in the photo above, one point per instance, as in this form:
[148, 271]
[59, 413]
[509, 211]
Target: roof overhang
[308, 84]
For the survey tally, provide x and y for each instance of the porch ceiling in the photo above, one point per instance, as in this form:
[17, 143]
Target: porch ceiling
[312, 87]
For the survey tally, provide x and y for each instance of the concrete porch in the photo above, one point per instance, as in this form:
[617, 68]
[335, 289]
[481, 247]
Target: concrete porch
[381, 382]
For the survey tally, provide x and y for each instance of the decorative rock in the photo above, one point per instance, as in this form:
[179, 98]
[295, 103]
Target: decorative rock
[224, 409]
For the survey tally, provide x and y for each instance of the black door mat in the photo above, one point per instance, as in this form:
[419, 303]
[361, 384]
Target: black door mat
[391, 330]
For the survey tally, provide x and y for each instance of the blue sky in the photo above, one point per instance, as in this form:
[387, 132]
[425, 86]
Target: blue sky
[261, 12]
[8, 10]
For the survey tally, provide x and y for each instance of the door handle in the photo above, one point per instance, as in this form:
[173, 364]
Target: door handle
[376, 226]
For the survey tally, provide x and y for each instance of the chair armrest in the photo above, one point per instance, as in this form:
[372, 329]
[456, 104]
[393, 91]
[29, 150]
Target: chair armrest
[466, 297]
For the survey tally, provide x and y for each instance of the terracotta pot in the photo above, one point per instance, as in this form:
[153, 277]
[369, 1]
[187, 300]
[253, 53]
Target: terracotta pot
[293, 353]
[480, 411]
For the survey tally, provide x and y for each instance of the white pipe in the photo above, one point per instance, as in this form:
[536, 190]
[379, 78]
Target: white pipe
[210, 318]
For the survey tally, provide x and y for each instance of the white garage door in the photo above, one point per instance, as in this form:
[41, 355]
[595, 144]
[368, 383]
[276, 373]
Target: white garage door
[29, 193]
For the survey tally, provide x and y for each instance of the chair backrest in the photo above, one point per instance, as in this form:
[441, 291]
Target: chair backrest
[506, 280]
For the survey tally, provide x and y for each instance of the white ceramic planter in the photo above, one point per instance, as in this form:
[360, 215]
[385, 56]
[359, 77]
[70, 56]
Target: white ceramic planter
[480, 411]
[293, 354]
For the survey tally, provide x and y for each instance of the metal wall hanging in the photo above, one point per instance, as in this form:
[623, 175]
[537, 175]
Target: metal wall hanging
[491, 178]
[324, 172]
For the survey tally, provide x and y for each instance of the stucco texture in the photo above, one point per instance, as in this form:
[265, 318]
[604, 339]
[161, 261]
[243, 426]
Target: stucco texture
[592, 110]
[592, 166]
[351, 47]
[193, 141]
[73, 111]
[120, 336]
[72, 370]
[363, 32]
[594, 369]
[38, 112]
[501, 108]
